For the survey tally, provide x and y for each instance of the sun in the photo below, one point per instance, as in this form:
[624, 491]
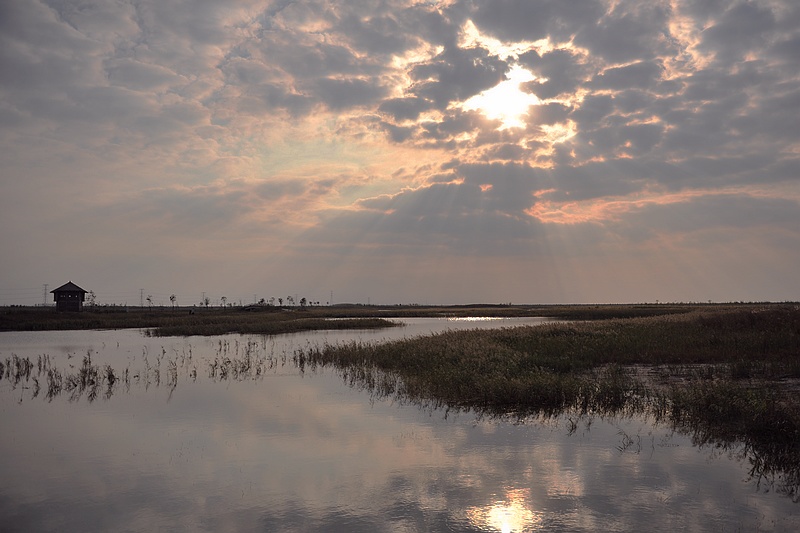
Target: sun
[505, 101]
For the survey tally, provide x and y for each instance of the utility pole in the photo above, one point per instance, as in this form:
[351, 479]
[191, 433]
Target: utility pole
[44, 295]
[331, 302]
[141, 297]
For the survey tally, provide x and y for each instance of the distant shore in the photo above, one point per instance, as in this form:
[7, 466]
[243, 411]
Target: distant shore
[267, 319]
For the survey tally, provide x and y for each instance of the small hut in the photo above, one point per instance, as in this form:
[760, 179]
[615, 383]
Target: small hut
[69, 297]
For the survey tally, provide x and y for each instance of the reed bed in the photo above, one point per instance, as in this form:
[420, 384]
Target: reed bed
[730, 377]
[498, 369]
[233, 360]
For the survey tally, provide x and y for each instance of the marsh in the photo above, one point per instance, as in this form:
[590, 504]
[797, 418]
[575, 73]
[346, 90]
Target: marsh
[277, 448]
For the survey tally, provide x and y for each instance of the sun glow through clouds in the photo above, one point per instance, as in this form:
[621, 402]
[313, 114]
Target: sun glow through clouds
[505, 101]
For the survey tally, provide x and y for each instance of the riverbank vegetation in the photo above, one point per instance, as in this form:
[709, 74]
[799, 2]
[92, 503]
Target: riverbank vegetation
[727, 376]
[527, 367]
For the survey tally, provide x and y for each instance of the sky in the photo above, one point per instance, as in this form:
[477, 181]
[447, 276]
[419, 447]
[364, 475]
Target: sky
[400, 151]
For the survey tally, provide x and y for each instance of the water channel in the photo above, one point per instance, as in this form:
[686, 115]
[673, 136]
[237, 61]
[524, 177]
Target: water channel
[175, 447]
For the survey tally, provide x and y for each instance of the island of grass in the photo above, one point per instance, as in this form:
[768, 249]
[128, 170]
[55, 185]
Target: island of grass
[162, 322]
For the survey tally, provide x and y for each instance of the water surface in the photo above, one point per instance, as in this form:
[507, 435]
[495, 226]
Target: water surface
[291, 451]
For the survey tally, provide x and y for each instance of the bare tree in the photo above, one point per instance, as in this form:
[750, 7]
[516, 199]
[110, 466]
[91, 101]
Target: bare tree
[173, 298]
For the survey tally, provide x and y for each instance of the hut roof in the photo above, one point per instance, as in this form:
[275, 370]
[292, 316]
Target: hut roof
[69, 287]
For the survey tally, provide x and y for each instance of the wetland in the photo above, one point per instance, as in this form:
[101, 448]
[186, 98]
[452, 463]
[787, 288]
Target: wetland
[686, 419]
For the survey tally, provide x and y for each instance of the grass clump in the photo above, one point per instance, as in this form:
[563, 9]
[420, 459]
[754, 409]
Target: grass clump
[249, 323]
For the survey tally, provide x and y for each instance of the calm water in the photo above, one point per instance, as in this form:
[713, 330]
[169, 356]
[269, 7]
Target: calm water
[291, 451]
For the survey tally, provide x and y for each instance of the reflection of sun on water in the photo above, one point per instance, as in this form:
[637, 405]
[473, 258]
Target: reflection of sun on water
[505, 101]
[508, 516]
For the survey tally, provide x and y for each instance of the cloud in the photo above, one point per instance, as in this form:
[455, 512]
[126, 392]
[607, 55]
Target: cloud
[342, 127]
[401, 109]
[456, 75]
[343, 94]
[641, 75]
[559, 71]
[711, 215]
[139, 76]
[629, 32]
[522, 20]
[739, 29]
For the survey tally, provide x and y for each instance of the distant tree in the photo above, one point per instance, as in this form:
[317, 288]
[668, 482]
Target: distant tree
[271, 300]
[150, 300]
[173, 298]
[289, 300]
[92, 299]
[303, 302]
[262, 302]
[280, 301]
[224, 301]
[206, 301]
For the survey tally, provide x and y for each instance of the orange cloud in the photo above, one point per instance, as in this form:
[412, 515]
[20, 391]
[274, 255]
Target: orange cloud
[610, 208]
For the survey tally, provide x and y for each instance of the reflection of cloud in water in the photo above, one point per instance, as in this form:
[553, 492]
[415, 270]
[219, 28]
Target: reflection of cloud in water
[508, 515]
